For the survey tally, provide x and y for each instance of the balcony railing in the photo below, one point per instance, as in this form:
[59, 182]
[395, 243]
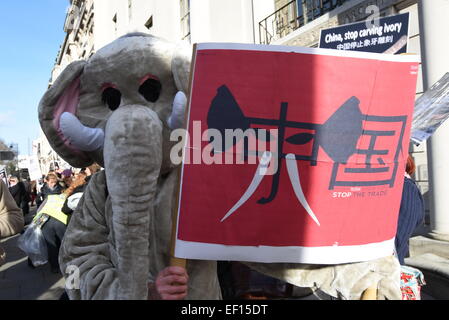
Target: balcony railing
[292, 16]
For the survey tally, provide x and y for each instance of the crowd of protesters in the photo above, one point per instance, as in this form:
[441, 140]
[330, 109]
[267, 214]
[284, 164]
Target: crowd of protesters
[55, 197]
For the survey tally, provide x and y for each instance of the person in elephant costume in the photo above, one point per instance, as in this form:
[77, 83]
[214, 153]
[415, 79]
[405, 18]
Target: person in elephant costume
[118, 109]
[115, 109]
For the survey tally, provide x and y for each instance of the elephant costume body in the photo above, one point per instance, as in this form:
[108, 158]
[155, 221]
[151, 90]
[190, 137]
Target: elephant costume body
[92, 239]
[118, 109]
[115, 109]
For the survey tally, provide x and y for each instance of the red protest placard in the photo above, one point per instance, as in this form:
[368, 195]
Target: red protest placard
[322, 183]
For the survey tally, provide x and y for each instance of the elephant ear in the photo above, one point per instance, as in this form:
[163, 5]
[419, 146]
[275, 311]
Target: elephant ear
[63, 96]
[181, 66]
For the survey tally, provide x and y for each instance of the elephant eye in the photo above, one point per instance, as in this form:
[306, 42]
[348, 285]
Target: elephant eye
[112, 98]
[151, 89]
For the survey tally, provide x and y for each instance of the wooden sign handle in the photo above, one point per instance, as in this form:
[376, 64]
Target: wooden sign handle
[370, 293]
[176, 262]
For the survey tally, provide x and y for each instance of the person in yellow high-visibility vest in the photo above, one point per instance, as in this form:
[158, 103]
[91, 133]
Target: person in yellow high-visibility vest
[54, 227]
[53, 218]
[54, 223]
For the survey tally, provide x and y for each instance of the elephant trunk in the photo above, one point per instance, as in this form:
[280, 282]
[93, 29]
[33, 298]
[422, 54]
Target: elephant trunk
[133, 158]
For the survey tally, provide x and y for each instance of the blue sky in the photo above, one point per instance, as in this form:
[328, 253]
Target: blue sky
[31, 32]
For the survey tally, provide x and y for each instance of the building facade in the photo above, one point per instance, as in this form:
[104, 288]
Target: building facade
[91, 24]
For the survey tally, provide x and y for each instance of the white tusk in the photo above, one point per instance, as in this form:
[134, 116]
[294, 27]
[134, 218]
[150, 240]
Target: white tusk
[258, 176]
[293, 173]
[80, 136]
[176, 119]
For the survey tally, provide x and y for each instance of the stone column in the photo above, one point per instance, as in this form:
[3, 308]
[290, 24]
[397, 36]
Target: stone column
[434, 25]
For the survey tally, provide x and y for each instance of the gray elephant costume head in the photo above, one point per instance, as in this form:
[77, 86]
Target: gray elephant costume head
[118, 109]
[132, 81]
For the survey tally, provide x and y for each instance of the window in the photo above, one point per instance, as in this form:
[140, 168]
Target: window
[185, 19]
[114, 20]
[149, 23]
[309, 10]
[130, 9]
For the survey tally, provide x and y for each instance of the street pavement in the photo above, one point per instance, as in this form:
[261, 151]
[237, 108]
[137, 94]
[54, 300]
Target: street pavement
[431, 256]
[18, 281]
